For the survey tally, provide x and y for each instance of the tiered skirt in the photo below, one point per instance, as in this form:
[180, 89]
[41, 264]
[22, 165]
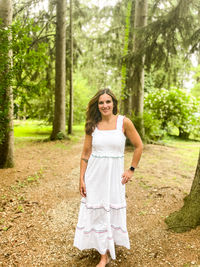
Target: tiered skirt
[102, 215]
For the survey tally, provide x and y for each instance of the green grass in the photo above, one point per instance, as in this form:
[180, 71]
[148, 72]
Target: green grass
[187, 150]
[171, 165]
[31, 130]
[176, 141]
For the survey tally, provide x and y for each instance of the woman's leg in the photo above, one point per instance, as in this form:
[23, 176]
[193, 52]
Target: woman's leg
[103, 261]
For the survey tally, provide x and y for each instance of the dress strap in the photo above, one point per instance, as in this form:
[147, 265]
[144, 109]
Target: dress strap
[120, 121]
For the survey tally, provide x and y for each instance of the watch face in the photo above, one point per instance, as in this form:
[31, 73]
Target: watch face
[132, 168]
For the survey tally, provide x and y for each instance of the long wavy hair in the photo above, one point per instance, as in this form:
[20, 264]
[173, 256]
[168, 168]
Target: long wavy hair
[93, 115]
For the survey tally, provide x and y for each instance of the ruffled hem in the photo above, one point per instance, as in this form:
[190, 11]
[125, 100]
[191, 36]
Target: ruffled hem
[101, 241]
[101, 227]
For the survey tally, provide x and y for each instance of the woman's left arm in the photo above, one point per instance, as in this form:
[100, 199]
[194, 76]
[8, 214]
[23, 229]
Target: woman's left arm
[132, 134]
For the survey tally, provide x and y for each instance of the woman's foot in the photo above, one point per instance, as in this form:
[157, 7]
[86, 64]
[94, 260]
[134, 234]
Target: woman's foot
[104, 261]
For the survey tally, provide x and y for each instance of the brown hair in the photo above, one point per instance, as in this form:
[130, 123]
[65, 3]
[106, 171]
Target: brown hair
[93, 115]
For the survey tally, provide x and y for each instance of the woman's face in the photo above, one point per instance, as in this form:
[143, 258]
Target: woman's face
[105, 104]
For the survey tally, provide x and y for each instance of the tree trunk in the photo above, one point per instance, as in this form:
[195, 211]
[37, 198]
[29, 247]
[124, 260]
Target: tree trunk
[49, 103]
[137, 79]
[70, 122]
[198, 78]
[6, 94]
[59, 122]
[188, 216]
[126, 68]
[183, 134]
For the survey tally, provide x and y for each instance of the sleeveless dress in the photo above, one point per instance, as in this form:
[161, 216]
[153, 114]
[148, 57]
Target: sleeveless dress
[102, 215]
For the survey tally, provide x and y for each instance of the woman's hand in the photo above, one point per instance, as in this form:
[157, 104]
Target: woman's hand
[126, 176]
[82, 188]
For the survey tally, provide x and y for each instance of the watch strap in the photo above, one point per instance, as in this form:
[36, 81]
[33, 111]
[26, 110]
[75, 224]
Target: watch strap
[132, 168]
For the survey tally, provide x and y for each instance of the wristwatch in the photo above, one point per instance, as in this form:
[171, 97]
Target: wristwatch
[132, 168]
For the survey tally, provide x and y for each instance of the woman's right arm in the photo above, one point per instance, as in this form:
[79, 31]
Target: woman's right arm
[87, 149]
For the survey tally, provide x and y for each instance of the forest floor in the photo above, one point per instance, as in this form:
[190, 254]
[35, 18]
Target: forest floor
[39, 204]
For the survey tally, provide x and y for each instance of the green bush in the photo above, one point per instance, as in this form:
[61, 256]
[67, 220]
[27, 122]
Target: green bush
[152, 126]
[174, 107]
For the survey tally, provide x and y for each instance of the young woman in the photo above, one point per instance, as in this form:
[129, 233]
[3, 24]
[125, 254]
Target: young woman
[102, 215]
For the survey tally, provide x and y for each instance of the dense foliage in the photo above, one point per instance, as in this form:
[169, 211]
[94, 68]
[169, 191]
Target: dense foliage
[29, 63]
[102, 44]
[174, 108]
[152, 126]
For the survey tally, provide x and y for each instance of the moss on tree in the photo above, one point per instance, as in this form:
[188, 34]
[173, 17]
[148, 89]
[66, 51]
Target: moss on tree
[188, 216]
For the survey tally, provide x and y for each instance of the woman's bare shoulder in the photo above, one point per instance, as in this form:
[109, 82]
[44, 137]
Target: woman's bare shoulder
[127, 122]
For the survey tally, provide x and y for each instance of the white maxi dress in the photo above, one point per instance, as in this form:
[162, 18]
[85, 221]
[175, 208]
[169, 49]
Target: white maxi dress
[102, 215]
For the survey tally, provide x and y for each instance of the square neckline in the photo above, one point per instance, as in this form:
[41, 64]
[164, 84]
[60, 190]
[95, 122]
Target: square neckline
[111, 129]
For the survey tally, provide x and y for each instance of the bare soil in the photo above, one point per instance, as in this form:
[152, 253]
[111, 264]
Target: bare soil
[39, 204]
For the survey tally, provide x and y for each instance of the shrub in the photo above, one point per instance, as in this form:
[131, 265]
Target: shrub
[174, 107]
[152, 126]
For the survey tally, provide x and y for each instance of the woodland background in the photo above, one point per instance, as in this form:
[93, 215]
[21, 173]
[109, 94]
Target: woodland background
[56, 54]
[112, 47]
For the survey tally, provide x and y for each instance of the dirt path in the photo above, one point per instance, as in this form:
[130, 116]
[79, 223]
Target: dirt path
[39, 203]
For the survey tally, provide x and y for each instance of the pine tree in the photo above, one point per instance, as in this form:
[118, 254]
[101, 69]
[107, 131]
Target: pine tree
[59, 122]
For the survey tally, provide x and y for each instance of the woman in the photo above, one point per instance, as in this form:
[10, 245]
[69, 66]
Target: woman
[102, 215]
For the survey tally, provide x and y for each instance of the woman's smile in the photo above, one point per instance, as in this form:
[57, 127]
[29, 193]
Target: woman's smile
[105, 104]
